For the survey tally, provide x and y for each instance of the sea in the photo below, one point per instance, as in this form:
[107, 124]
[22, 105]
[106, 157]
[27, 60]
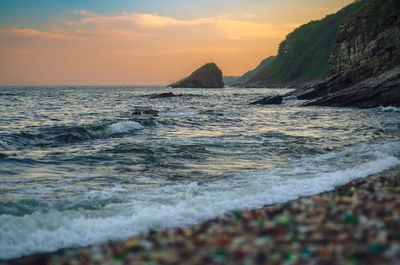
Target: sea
[79, 167]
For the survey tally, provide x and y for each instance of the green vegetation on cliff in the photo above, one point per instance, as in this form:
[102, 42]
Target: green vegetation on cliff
[304, 54]
[382, 8]
[232, 80]
[247, 76]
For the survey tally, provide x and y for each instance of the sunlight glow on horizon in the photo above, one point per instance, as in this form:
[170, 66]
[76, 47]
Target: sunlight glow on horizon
[124, 48]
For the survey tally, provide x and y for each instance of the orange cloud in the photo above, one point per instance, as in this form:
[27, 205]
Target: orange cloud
[17, 31]
[236, 29]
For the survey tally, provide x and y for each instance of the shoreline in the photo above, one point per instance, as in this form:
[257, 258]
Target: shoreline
[356, 223]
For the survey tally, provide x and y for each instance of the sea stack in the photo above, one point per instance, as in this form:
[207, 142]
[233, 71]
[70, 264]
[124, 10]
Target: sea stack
[207, 76]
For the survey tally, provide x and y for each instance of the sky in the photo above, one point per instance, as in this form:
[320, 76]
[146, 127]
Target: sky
[142, 42]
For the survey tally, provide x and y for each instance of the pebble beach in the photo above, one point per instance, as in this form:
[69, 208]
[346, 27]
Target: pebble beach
[357, 223]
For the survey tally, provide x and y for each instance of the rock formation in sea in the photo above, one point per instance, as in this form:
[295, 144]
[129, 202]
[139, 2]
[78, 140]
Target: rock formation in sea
[165, 95]
[207, 76]
[270, 100]
[148, 111]
[365, 61]
[151, 111]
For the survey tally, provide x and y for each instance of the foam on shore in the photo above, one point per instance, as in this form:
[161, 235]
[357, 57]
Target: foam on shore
[187, 203]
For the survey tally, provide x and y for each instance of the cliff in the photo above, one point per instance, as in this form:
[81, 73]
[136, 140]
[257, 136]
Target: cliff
[368, 40]
[303, 56]
[207, 76]
[365, 60]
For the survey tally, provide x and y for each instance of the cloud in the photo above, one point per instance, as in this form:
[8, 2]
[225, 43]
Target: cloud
[154, 20]
[230, 28]
[27, 32]
[127, 27]
[83, 13]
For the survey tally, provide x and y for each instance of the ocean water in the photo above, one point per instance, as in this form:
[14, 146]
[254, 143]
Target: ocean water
[77, 168]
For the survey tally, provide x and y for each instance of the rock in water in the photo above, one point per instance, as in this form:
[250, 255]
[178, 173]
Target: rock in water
[381, 90]
[165, 95]
[148, 111]
[151, 111]
[207, 76]
[275, 100]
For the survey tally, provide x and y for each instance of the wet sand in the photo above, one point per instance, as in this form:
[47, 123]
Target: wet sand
[358, 223]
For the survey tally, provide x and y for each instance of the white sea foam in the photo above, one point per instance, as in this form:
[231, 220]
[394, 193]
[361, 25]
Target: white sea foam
[183, 203]
[389, 109]
[178, 114]
[125, 126]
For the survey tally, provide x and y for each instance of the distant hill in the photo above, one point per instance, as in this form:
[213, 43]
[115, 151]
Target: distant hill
[304, 54]
[234, 80]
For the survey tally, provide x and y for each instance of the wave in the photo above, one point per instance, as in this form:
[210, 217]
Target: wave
[85, 133]
[124, 127]
[3, 146]
[176, 204]
[55, 136]
[389, 109]
[179, 114]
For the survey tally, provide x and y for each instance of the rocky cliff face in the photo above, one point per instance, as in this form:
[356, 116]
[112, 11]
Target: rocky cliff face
[303, 56]
[364, 63]
[366, 43]
[207, 76]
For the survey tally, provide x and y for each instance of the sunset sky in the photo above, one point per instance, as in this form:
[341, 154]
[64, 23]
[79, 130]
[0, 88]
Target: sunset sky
[142, 42]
